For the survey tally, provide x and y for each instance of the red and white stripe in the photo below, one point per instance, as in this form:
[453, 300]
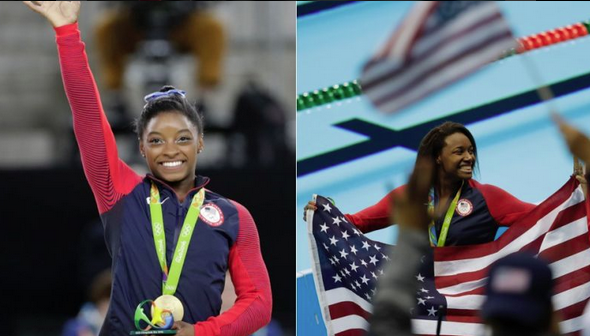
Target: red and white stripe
[557, 230]
[349, 313]
[422, 57]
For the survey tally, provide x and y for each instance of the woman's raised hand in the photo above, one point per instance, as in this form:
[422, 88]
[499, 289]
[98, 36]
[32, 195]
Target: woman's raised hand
[309, 206]
[58, 13]
[579, 145]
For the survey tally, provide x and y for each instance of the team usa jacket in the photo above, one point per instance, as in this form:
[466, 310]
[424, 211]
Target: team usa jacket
[481, 210]
[224, 238]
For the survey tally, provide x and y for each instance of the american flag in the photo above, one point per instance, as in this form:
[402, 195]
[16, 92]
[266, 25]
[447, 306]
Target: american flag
[346, 266]
[437, 43]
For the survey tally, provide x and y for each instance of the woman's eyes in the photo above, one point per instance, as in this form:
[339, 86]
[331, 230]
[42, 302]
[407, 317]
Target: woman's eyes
[157, 141]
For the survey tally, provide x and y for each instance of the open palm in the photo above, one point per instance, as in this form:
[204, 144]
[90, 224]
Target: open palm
[59, 13]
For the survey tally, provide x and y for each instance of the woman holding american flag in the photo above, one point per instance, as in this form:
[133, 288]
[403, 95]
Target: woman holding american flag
[465, 211]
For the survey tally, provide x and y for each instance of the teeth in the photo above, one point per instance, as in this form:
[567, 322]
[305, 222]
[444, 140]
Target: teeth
[172, 164]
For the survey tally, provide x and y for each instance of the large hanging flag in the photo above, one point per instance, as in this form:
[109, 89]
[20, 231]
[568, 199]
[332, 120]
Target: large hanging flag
[437, 43]
[346, 266]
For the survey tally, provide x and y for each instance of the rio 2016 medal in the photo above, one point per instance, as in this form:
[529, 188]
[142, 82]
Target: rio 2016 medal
[172, 304]
[167, 309]
[160, 323]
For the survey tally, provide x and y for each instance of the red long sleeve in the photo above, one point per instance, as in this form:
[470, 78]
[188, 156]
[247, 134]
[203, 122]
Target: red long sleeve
[376, 216]
[108, 176]
[504, 208]
[253, 306]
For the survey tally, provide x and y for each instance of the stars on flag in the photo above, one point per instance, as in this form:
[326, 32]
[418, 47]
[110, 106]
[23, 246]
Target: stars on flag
[364, 279]
[337, 221]
[333, 240]
[343, 254]
[432, 311]
[354, 259]
[345, 235]
[366, 245]
[373, 260]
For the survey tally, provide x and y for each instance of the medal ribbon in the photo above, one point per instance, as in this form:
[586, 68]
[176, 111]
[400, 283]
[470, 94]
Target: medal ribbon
[447, 222]
[170, 280]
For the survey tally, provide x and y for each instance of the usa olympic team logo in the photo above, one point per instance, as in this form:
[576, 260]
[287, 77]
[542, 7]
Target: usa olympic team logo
[464, 207]
[211, 214]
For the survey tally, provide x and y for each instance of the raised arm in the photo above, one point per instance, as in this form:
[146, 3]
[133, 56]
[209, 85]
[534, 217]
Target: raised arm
[369, 219]
[578, 144]
[504, 208]
[58, 13]
[376, 216]
[108, 176]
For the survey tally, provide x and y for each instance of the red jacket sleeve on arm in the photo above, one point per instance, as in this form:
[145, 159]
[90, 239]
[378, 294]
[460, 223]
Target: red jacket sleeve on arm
[108, 176]
[253, 306]
[376, 216]
[504, 208]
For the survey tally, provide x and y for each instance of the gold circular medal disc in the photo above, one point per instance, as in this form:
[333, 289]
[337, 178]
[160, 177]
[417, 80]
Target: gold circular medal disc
[171, 303]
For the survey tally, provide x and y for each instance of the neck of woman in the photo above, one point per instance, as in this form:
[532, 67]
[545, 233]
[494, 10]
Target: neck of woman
[181, 188]
[447, 187]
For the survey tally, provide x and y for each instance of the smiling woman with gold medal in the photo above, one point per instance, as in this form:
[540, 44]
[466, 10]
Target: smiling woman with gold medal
[171, 239]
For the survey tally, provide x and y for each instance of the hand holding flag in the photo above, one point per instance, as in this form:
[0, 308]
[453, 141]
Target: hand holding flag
[579, 146]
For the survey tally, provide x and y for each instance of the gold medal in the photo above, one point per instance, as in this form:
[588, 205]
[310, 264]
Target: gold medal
[172, 304]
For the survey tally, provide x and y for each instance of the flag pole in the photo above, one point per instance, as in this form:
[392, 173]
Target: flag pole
[439, 321]
[546, 95]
